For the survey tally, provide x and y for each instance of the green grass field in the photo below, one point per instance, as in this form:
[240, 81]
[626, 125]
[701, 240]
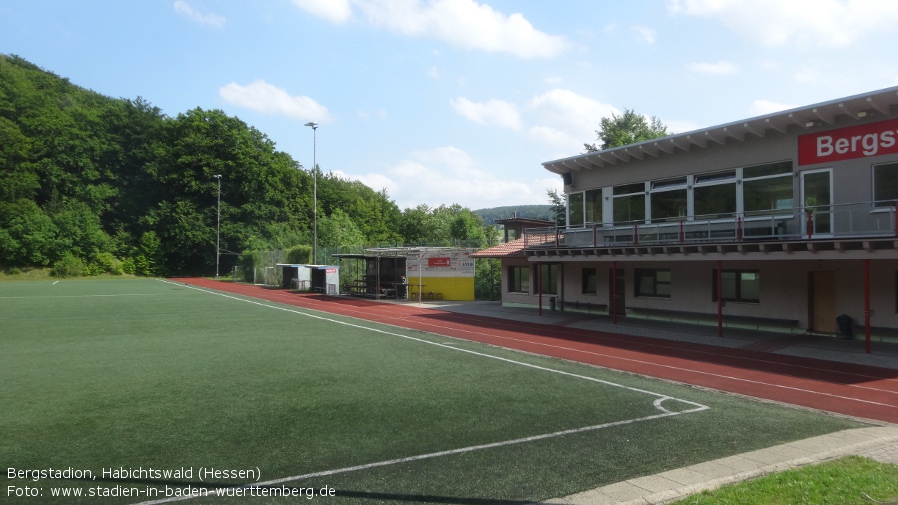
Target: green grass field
[142, 373]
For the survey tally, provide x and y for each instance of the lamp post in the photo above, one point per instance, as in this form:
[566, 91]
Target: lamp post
[218, 227]
[314, 127]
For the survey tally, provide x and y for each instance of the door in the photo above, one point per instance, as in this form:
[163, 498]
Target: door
[617, 292]
[816, 199]
[823, 302]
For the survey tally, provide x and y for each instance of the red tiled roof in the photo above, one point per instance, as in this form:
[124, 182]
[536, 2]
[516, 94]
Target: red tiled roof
[513, 248]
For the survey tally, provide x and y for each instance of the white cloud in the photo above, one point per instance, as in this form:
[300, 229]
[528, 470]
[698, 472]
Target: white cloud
[763, 107]
[719, 68]
[427, 177]
[335, 11]
[643, 34]
[269, 99]
[823, 23]
[379, 113]
[491, 112]
[374, 181]
[557, 138]
[182, 7]
[461, 23]
[434, 73]
[567, 119]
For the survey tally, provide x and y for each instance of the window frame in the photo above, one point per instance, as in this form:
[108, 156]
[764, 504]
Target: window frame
[738, 285]
[515, 279]
[586, 274]
[879, 203]
[652, 273]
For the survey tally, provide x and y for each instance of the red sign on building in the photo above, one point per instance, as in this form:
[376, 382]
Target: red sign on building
[439, 262]
[874, 139]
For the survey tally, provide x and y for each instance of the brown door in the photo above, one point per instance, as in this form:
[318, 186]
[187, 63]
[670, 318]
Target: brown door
[616, 292]
[823, 302]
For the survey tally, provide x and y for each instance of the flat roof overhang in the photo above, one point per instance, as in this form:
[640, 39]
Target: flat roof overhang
[802, 118]
[802, 250]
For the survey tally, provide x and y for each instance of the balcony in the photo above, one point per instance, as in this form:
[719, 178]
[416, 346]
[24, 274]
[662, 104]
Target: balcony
[832, 224]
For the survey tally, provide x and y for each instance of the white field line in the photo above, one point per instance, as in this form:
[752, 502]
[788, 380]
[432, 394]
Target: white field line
[657, 403]
[698, 372]
[76, 296]
[423, 341]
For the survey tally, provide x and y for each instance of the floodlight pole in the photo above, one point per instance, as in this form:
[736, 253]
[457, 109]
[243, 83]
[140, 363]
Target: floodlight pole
[314, 127]
[218, 227]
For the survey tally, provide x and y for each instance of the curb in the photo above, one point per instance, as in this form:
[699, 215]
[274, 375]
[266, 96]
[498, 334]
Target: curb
[669, 486]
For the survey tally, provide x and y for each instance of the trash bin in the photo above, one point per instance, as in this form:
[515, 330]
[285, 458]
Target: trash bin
[552, 303]
[845, 326]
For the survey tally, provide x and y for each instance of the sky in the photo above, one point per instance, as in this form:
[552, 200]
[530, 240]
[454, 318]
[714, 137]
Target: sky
[459, 101]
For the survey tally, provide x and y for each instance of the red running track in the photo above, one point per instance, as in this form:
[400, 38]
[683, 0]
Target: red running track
[855, 390]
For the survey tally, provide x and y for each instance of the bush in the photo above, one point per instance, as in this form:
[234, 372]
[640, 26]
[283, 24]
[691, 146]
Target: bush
[69, 266]
[299, 255]
[105, 262]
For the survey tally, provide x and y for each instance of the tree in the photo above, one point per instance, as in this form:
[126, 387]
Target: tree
[628, 128]
[558, 207]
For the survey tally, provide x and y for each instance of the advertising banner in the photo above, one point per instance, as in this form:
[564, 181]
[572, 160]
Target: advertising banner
[443, 263]
[874, 139]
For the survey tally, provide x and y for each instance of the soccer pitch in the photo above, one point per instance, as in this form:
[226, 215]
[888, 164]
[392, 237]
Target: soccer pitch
[161, 392]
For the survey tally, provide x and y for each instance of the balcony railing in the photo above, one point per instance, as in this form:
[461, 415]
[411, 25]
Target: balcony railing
[831, 221]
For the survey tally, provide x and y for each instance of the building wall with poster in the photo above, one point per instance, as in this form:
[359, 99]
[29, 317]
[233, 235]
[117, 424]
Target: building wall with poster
[447, 271]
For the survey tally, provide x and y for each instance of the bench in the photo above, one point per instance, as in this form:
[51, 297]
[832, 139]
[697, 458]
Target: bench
[588, 306]
[729, 321]
[430, 295]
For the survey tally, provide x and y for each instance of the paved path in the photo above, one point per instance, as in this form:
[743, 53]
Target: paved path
[820, 373]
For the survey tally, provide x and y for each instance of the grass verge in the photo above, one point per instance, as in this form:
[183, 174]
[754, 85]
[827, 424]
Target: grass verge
[845, 481]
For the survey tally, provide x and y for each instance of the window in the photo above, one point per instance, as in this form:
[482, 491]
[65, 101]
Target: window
[885, 185]
[737, 286]
[767, 188]
[629, 203]
[575, 209]
[594, 206]
[668, 200]
[589, 281]
[519, 279]
[652, 282]
[550, 278]
[715, 195]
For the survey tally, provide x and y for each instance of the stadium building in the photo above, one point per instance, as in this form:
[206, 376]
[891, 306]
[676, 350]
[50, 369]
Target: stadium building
[785, 221]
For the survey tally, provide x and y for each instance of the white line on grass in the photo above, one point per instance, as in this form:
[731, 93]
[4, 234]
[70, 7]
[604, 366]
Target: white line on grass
[325, 473]
[76, 296]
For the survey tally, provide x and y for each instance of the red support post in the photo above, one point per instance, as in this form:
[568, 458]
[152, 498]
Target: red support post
[867, 306]
[739, 229]
[719, 300]
[636, 234]
[595, 235]
[682, 232]
[614, 292]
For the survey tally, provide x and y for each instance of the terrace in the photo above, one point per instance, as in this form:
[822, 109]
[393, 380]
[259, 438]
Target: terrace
[858, 226]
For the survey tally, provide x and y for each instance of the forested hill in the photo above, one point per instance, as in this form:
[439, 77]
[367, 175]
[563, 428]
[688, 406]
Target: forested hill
[116, 184]
[490, 216]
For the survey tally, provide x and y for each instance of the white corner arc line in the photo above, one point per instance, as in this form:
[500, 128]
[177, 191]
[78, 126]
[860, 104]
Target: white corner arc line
[657, 403]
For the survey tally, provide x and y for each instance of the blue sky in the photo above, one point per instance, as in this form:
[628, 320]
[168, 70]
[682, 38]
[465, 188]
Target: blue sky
[460, 101]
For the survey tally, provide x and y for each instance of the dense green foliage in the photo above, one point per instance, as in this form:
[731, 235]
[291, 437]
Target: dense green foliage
[628, 128]
[122, 187]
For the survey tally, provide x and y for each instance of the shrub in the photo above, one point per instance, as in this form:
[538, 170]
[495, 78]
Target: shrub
[106, 262]
[299, 255]
[69, 266]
